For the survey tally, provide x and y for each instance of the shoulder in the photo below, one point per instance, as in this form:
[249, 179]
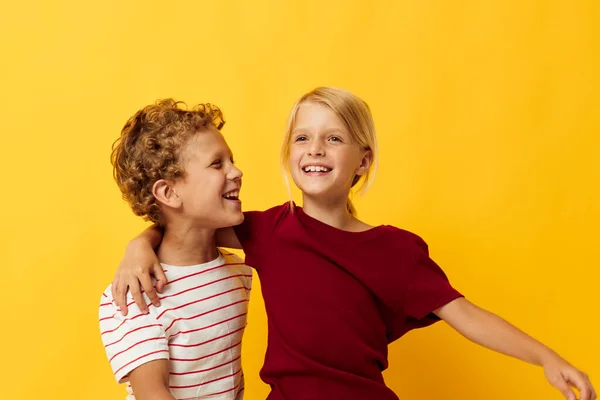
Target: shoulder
[230, 258]
[106, 300]
[108, 306]
[234, 260]
[402, 239]
[263, 221]
[273, 212]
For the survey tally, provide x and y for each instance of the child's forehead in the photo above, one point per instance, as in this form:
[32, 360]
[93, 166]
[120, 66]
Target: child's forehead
[205, 144]
[311, 115]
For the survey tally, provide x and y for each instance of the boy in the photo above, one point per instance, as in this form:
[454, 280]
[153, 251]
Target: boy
[175, 169]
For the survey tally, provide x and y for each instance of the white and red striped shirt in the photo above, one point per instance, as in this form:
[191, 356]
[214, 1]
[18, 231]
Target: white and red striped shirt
[198, 328]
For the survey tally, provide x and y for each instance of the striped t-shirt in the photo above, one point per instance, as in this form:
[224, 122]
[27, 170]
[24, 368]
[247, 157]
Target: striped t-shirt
[198, 327]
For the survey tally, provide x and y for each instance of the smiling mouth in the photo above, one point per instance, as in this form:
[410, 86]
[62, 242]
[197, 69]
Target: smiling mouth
[316, 169]
[234, 195]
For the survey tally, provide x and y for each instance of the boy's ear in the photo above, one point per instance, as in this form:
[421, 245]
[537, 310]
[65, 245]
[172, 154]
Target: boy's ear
[165, 193]
[365, 163]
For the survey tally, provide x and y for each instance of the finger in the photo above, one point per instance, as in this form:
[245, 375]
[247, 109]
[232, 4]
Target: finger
[579, 381]
[564, 388]
[594, 396]
[113, 288]
[138, 297]
[161, 278]
[146, 281]
[120, 298]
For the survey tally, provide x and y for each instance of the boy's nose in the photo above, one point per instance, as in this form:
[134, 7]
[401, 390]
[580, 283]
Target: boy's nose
[235, 173]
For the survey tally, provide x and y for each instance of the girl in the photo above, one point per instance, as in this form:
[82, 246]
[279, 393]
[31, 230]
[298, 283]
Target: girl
[337, 291]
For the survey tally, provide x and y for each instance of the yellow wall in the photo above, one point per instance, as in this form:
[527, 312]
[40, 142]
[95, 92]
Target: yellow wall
[488, 124]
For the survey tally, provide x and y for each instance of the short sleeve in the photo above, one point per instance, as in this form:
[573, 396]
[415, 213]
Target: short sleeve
[428, 288]
[248, 232]
[255, 231]
[132, 340]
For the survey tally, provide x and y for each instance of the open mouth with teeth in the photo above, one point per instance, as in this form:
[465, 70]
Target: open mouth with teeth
[316, 169]
[234, 195]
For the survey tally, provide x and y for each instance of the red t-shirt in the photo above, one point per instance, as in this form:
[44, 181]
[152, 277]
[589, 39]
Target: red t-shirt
[335, 299]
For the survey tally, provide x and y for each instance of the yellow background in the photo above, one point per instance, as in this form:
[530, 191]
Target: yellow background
[487, 113]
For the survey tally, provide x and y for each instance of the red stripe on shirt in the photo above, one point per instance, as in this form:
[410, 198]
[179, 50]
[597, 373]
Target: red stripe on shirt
[202, 272]
[205, 370]
[208, 326]
[206, 284]
[121, 324]
[204, 313]
[199, 301]
[137, 329]
[140, 357]
[135, 344]
[229, 390]
[105, 318]
[133, 302]
[208, 355]
[207, 382]
[207, 341]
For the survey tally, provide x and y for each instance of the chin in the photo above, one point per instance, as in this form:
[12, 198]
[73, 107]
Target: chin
[235, 220]
[314, 191]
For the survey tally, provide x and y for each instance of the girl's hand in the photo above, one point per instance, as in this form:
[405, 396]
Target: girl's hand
[137, 268]
[564, 376]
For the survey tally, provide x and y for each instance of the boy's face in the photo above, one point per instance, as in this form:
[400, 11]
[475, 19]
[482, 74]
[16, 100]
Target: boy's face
[210, 189]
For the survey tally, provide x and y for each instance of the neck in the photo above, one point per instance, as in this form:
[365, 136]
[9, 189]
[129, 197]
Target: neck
[333, 212]
[186, 244]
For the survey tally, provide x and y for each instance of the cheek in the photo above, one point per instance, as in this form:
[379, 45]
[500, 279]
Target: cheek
[294, 159]
[294, 155]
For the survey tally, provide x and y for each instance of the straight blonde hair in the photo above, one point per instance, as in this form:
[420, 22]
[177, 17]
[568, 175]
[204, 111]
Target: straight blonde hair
[357, 118]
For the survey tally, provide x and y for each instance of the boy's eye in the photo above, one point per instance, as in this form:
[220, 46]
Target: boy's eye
[216, 164]
[335, 139]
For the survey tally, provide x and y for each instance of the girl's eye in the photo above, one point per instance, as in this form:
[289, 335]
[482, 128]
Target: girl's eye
[216, 164]
[335, 139]
[301, 139]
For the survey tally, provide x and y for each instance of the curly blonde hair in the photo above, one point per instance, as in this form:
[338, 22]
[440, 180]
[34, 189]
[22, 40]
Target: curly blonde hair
[149, 149]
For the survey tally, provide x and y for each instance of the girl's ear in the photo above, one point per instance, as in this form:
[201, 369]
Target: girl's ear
[365, 163]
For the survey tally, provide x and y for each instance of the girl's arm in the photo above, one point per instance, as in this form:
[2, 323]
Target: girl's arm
[136, 268]
[140, 263]
[491, 331]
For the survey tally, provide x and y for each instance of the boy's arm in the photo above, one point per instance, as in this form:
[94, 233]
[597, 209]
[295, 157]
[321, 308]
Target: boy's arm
[150, 381]
[491, 331]
[140, 263]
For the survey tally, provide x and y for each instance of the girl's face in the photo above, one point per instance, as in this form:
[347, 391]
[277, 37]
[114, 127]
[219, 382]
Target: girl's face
[324, 158]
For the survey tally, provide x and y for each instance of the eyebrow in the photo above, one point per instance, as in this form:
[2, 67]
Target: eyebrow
[332, 130]
[221, 154]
